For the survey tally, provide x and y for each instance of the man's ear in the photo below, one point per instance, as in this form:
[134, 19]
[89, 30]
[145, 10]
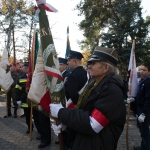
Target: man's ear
[106, 68]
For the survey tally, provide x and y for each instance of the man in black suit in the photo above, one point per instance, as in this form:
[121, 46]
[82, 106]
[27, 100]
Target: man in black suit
[77, 80]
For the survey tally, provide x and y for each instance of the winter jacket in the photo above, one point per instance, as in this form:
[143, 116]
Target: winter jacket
[143, 97]
[106, 105]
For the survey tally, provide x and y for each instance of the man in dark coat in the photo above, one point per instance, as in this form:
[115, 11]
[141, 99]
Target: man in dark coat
[100, 113]
[21, 97]
[77, 80]
[143, 107]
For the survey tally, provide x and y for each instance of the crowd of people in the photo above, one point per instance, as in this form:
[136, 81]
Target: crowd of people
[95, 112]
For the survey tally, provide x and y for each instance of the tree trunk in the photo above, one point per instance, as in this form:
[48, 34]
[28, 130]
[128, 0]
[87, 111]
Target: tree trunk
[14, 44]
[30, 36]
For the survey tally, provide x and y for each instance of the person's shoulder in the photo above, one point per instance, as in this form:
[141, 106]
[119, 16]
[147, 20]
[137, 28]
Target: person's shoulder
[22, 76]
[79, 70]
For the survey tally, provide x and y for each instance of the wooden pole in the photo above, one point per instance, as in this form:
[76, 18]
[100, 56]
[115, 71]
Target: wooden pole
[32, 63]
[6, 105]
[60, 136]
[129, 95]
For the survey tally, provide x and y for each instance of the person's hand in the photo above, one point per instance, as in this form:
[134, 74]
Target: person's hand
[40, 108]
[57, 129]
[54, 109]
[19, 103]
[141, 118]
[130, 99]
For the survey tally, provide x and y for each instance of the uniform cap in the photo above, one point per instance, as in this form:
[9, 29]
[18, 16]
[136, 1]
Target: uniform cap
[104, 54]
[74, 54]
[62, 61]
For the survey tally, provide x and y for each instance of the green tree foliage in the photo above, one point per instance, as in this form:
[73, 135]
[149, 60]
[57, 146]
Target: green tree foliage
[21, 12]
[115, 24]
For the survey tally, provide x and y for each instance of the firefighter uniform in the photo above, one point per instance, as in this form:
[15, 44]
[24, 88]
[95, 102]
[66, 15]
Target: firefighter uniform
[21, 95]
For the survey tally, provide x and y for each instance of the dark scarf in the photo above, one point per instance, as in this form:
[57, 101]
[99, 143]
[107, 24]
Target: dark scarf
[85, 94]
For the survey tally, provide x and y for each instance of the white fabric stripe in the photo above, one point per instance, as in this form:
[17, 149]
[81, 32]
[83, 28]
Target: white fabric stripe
[40, 2]
[85, 84]
[68, 102]
[96, 126]
[51, 7]
[52, 70]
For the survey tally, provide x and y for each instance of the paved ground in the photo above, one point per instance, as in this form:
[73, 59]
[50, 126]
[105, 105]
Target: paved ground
[13, 137]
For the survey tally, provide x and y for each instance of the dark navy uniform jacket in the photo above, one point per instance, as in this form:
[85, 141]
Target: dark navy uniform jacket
[75, 82]
[65, 75]
[143, 97]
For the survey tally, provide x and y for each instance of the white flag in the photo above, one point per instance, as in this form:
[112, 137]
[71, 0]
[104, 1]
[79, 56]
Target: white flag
[133, 81]
[38, 89]
[5, 76]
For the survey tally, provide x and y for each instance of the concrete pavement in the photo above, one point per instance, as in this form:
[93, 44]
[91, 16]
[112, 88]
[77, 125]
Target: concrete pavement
[13, 137]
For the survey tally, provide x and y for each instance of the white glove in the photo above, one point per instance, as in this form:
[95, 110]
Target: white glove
[40, 108]
[131, 99]
[141, 118]
[54, 109]
[57, 129]
[19, 103]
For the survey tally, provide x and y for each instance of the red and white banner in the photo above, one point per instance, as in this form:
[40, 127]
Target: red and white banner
[133, 81]
[38, 92]
[5, 76]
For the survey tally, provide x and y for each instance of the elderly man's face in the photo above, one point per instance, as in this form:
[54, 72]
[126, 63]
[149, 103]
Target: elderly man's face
[97, 69]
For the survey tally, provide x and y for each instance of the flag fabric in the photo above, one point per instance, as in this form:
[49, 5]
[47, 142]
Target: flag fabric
[45, 5]
[68, 48]
[5, 75]
[133, 81]
[54, 78]
[38, 92]
[33, 57]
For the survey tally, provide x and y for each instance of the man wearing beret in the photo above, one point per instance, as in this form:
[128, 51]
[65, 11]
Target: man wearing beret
[99, 115]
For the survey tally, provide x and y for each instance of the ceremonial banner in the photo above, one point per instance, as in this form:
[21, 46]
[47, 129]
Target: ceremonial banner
[68, 48]
[33, 57]
[54, 78]
[133, 81]
[38, 92]
[5, 75]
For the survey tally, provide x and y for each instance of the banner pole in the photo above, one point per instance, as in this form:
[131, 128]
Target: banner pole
[130, 87]
[32, 66]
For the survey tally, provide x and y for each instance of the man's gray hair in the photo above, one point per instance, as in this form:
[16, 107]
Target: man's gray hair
[111, 69]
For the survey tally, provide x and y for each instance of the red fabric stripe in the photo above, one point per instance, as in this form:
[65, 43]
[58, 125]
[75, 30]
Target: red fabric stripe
[45, 101]
[47, 8]
[35, 7]
[99, 117]
[53, 74]
[71, 105]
